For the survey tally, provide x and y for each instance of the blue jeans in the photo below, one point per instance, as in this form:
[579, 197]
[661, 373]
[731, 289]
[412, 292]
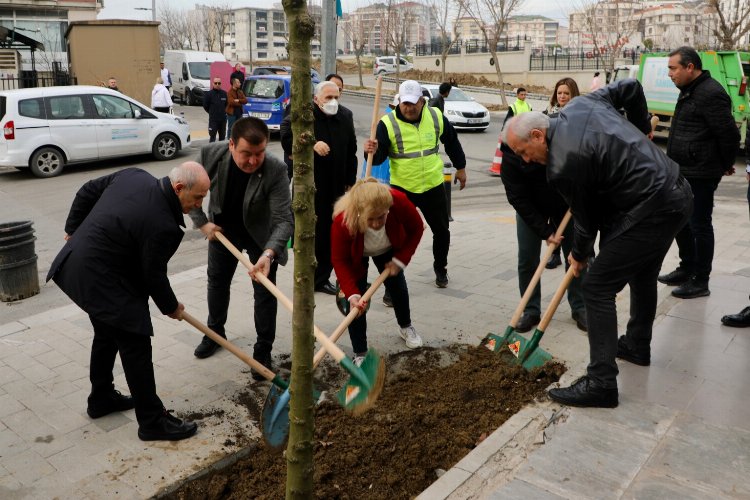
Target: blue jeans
[529, 244]
[230, 121]
[396, 287]
[221, 267]
[695, 240]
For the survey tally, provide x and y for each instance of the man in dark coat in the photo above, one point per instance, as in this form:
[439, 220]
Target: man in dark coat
[439, 100]
[239, 74]
[335, 170]
[619, 184]
[215, 104]
[121, 232]
[250, 204]
[703, 140]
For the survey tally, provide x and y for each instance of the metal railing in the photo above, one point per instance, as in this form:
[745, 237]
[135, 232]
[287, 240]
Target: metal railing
[554, 60]
[506, 44]
[29, 79]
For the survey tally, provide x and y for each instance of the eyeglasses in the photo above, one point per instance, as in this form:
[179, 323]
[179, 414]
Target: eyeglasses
[217, 83]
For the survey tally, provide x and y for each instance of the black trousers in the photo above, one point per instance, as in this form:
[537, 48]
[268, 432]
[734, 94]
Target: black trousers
[434, 207]
[323, 222]
[217, 126]
[632, 258]
[399, 292]
[135, 354]
[221, 267]
[695, 240]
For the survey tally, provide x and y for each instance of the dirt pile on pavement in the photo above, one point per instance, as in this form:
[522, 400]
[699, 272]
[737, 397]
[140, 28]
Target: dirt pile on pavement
[437, 405]
[470, 80]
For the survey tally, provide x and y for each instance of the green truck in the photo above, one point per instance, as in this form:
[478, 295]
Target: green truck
[730, 68]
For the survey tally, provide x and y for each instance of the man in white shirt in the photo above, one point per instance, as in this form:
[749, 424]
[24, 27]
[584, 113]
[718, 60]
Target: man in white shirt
[166, 77]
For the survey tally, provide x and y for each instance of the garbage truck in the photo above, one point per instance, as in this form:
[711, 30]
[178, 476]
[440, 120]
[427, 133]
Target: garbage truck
[730, 68]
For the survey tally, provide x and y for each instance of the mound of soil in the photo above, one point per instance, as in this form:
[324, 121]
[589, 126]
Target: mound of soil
[470, 80]
[436, 406]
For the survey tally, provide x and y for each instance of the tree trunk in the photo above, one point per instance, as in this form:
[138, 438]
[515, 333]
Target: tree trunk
[359, 67]
[299, 453]
[499, 72]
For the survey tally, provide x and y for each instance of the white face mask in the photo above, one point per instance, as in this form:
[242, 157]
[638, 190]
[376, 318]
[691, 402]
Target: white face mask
[331, 107]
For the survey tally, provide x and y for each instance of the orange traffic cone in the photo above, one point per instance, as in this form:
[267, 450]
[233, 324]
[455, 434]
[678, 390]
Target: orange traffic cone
[497, 162]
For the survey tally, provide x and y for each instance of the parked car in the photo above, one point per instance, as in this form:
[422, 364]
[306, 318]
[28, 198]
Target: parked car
[383, 65]
[462, 111]
[267, 97]
[44, 129]
[284, 70]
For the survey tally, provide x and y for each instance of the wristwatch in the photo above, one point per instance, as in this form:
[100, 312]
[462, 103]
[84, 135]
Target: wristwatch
[268, 254]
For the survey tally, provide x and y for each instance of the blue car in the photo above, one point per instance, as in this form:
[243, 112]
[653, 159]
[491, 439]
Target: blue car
[267, 97]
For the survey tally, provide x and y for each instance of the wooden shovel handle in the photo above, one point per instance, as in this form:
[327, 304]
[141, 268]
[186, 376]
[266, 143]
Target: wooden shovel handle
[337, 353]
[552, 307]
[374, 125]
[349, 318]
[538, 273]
[267, 374]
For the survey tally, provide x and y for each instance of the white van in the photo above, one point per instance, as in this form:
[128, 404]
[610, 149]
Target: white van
[191, 73]
[45, 128]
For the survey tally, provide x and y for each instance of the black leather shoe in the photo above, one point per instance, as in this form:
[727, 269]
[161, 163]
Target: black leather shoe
[206, 348]
[692, 289]
[527, 322]
[441, 278]
[168, 428]
[553, 261]
[625, 352]
[265, 360]
[675, 278]
[585, 393]
[739, 320]
[114, 402]
[579, 317]
[326, 287]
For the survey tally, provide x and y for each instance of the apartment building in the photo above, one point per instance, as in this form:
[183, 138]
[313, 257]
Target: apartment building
[542, 31]
[608, 24]
[372, 23]
[44, 22]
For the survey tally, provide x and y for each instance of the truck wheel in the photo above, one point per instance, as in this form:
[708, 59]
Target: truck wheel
[165, 146]
[47, 162]
[189, 100]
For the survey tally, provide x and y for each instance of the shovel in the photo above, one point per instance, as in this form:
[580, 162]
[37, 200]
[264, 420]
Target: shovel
[527, 351]
[495, 342]
[374, 124]
[258, 367]
[366, 381]
[275, 416]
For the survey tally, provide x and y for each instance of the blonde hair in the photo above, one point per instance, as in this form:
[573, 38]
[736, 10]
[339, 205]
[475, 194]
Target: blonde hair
[366, 198]
[159, 80]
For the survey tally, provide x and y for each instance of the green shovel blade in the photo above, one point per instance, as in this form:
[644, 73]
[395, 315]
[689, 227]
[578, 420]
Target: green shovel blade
[496, 343]
[365, 383]
[527, 350]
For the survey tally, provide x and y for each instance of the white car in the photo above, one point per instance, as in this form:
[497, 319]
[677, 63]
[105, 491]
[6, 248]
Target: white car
[462, 111]
[383, 65]
[46, 128]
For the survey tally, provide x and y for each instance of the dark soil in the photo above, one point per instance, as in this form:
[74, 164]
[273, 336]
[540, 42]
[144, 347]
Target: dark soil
[437, 405]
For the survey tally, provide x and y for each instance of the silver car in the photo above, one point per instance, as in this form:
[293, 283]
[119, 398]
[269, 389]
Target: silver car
[462, 111]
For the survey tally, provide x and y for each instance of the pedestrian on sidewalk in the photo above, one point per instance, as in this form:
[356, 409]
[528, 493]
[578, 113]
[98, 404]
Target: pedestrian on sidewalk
[619, 184]
[235, 100]
[410, 138]
[250, 205]
[215, 104]
[160, 99]
[565, 90]
[121, 231]
[373, 220]
[704, 141]
[539, 211]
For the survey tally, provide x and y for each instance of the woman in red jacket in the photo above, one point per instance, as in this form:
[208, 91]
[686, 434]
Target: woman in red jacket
[373, 220]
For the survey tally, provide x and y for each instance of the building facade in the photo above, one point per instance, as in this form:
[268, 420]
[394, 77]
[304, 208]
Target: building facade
[543, 32]
[374, 22]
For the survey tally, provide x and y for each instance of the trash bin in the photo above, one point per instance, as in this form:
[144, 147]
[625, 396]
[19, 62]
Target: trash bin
[19, 278]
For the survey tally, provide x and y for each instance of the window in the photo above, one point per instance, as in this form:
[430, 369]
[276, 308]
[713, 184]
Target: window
[66, 107]
[262, 55]
[677, 17]
[262, 45]
[109, 106]
[687, 29]
[33, 108]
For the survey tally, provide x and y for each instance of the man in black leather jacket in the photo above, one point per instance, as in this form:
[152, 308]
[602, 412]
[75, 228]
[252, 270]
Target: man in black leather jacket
[620, 185]
[704, 140]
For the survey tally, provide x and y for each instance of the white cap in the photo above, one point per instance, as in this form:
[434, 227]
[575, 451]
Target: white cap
[410, 91]
[394, 102]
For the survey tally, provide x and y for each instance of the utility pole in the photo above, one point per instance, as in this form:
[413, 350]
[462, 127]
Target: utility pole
[328, 37]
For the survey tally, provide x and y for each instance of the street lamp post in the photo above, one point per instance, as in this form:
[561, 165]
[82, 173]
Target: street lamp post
[152, 9]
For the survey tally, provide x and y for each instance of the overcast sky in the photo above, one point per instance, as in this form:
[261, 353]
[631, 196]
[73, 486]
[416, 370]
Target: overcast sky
[126, 9]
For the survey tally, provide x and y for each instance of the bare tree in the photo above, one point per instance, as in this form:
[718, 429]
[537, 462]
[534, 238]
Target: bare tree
[398, 20]
[299, 452]
[172, 27]
[609, 24]
[491, 17]
[441, 11]
[357, 30]
[733, 21]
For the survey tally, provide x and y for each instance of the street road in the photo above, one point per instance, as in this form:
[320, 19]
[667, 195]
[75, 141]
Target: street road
[46, 201]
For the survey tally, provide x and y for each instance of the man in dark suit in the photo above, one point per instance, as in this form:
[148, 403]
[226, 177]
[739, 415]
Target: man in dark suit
[250, 204]
[121, 231]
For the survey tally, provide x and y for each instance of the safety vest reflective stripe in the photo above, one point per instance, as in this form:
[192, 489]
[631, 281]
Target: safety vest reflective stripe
[400, 139]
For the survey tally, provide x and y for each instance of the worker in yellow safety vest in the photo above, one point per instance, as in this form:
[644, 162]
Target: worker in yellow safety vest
[410, 138]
